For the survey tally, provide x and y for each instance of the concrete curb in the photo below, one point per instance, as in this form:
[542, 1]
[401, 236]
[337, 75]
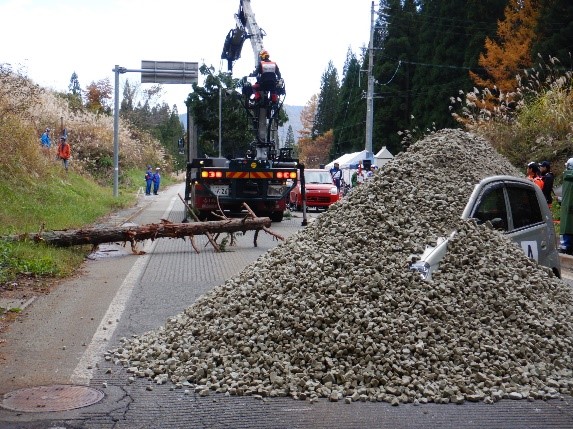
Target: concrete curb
[566, 262]
[11, 304]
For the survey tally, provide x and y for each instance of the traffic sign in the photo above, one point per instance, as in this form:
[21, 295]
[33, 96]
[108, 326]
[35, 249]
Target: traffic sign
[169, 72]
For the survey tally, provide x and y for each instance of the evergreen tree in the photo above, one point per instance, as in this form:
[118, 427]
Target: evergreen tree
[169, 131]
[555, 31]
[203, 103]
[325, 118]
[393, 72]
[289, 140]
[74, 87]
[74, 95]
[349, 131]
[443, 59]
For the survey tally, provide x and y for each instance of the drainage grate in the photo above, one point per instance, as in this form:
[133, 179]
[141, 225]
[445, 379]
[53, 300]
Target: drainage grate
[60, 397]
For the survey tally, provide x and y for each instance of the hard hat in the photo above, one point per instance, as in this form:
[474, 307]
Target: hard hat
[264, 55]
[569, 164]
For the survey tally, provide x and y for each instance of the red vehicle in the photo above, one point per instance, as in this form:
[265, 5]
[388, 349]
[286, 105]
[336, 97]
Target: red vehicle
[321, 192]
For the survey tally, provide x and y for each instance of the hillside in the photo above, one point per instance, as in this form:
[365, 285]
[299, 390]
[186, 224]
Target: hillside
[293, 113]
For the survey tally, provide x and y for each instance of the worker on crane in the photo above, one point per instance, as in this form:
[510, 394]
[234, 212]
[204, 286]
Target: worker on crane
[267, 74]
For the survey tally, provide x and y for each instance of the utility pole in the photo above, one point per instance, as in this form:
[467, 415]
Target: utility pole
[151, 72]
[220, 119]
[370, 93]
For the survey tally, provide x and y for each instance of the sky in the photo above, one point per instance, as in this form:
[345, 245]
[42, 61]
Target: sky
[48, 40]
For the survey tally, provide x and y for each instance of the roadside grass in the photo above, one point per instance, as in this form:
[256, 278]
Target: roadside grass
[59, 201]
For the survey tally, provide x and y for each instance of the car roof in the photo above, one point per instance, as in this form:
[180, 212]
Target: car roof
[505, 178]
[498, 179]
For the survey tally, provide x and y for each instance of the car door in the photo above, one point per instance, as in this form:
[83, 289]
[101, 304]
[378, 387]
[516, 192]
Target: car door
[529, 227]
[517, 208]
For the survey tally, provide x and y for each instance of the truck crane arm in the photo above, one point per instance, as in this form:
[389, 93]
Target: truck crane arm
[246, 28]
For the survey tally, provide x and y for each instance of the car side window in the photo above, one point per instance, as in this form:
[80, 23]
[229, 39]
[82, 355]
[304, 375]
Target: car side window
[525, 209]
[492, 208]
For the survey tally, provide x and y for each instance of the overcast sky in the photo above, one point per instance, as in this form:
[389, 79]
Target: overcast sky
[50, 39]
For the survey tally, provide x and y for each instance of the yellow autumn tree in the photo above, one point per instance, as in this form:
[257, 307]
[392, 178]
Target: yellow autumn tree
[98, 96]
[508, 55]
[312, 150]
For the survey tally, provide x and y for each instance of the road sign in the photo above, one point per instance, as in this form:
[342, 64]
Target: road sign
[169, 72]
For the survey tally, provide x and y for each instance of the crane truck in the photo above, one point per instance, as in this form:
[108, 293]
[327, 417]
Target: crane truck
[266, 174]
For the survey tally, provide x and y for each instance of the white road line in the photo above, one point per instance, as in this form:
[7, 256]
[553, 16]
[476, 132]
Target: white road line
[95, 350]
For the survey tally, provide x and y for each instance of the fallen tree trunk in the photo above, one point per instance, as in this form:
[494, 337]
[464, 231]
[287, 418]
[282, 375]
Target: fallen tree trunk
[132, 234]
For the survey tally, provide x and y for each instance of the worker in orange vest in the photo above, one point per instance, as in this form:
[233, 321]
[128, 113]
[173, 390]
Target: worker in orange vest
[534, 174]
[64, 152]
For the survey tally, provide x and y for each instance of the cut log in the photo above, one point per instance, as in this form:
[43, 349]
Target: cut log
[132, 234]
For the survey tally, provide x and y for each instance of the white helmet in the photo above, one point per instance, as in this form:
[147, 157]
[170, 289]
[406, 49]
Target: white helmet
[569, 164]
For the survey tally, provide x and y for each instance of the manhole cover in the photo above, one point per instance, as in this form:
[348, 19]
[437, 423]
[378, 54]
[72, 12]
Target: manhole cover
[51, 398]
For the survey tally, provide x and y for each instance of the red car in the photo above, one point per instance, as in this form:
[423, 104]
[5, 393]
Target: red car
[320, 191]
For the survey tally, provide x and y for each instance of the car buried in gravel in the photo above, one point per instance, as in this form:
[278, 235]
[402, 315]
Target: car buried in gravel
[514, 206]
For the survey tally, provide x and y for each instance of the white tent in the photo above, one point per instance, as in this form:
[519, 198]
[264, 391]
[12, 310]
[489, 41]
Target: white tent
[351, 160]
[382, 157]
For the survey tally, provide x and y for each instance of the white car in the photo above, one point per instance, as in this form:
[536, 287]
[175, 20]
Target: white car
[514, 206]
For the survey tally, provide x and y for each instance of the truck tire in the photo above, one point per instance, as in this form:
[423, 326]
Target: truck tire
[277, 216]
[204, 215]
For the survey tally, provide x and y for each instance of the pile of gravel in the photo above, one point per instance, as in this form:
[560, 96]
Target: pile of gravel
[334, 311]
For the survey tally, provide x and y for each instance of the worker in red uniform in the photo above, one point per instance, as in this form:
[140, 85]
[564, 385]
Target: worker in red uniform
[267, 74]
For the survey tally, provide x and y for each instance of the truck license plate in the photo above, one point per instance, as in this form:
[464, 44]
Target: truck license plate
[222, 191]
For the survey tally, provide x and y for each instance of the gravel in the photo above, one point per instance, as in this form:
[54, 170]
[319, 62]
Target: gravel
[334, 312]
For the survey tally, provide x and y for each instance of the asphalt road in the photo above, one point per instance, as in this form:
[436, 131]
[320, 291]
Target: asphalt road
[61, 339]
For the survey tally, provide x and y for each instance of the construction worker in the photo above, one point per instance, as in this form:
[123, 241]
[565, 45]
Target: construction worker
[534, 174]
[267, 74]
[548, 179]
[64, 152]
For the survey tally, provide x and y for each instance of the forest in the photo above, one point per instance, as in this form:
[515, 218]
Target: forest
[443, 64]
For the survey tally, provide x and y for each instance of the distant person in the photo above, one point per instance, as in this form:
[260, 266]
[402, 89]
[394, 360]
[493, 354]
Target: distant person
[148, 180]
[357, 177]
[156, 181]
[371, 172]
[354, 179]
[566, 222]
[336, 174]
[64, 152]
[361, 177]
[534, 174]
[46, 142]
[267, 74]
[548, 178]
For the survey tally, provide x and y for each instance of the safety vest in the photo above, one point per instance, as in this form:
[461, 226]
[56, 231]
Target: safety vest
[268, 67]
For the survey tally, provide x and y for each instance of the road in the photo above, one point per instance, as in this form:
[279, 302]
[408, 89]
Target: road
[59, 342]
